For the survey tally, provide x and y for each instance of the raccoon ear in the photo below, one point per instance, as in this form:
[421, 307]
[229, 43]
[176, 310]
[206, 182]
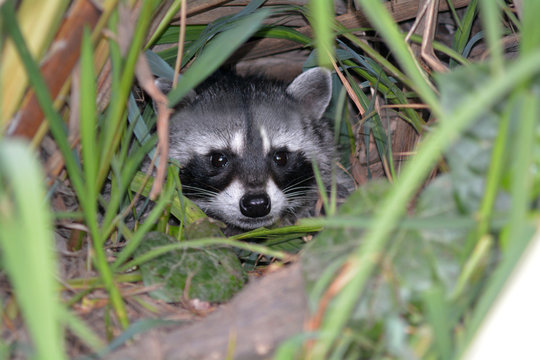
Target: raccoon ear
[313, 89]
[165, 86]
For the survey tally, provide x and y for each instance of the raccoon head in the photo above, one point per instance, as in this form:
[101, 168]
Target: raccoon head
[246, 144]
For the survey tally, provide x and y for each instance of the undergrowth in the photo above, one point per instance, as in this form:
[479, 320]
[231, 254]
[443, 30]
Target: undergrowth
[407, 267]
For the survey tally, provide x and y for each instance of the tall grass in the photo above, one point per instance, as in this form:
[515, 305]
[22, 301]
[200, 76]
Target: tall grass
[378, 224]
[28, 246]
[105, 143]
[506, 80]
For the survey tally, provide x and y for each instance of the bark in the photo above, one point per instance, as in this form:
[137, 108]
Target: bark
[252, 325]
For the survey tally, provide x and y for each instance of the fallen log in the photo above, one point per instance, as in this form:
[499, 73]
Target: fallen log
[251, 326]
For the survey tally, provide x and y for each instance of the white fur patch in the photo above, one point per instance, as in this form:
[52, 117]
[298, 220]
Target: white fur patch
[237, 143]
[291, 141]
[228, 200]
[207, 143]
[226, 205]
[279, 201]
[265, 140]
[184, 149]
[295, 140]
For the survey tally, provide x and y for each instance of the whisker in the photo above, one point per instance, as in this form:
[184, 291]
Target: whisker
[295, 184]
[197, 191]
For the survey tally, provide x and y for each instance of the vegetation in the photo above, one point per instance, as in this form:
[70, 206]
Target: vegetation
[407, 267]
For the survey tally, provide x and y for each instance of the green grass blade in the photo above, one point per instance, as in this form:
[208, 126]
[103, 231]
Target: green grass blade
[121, 182]
[91, 158]
[493, 180]
[164, 23]
[27, 247]
[495, 284]
[201, 243]
[171, 34]
[58, 130]
[366, 222]
[439, 319]
[220, 25]
[117, 108]
[530, 35]
[461, 37]
[141, 129]
[321, 187]
[156, 212]
[216, 52]
[55, 122]
[509, 330]
[83, 332]
[394, 71]
[88, 124]
[322, 12]
[491, 21]
[476, 259]
[159, 66]
[521, 177]
[384, 23]
[392, 208]
[283, 32]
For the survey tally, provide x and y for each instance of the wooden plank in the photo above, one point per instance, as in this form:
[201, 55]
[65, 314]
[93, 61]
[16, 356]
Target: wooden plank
[400, 11]
[200, 6]
[293, 20]
[205, 12]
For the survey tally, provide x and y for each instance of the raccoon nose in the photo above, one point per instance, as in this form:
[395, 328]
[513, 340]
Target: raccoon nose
[255, 205]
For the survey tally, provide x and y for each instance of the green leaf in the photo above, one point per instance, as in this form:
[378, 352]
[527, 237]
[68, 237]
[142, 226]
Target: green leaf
[439, 319]
[216, 52]
[88, 121]
[209, 274]
[384, 23]
[390, 210]
[27, 247]
[322, 29]
[171, 34]
[470, 156]
[283, 32]
[490, 14]
[182, 208]
[530, 37]
[463, 33]
[332, 244]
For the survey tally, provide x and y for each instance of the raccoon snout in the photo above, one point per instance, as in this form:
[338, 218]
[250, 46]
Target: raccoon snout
[255, 205]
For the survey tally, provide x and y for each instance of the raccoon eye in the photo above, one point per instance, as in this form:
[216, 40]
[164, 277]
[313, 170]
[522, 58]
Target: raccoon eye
[280, 158]
[218, 160]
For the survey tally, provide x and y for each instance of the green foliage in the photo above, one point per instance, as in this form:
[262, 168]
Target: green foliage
[418, 265]
[209, 274]
[428, 281]
[463, 33]
[321, 21]
[27, 244]
[238, 29]
[422, 281]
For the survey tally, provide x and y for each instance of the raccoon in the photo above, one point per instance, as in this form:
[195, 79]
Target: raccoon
[246, 144]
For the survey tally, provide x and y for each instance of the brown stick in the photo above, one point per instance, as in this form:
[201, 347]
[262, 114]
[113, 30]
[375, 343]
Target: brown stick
[58, 66]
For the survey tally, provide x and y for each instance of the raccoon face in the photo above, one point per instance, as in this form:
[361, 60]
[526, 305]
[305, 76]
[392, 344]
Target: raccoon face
[245, 146]
[249, 192]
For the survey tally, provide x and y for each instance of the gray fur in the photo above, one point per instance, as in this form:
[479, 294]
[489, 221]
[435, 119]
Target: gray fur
[250, 120]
